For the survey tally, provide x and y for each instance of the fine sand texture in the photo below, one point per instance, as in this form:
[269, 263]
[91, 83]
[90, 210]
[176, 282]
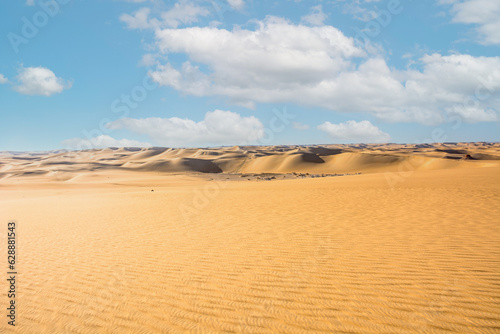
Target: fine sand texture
[282, 239]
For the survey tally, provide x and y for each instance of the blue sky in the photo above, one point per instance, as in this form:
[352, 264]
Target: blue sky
[81, 74]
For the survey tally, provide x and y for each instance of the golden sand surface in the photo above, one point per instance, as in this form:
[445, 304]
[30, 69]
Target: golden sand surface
[361, 239]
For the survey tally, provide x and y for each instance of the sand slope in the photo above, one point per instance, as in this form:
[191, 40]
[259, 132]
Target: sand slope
[412, 245]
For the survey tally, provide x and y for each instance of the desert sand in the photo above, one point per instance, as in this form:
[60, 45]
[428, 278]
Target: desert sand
[283, 239]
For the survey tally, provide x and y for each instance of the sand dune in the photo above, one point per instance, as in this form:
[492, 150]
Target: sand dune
[280, 159]
[342, 239]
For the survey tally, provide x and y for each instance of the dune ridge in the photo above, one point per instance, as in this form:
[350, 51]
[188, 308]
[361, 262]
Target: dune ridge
[361, 158]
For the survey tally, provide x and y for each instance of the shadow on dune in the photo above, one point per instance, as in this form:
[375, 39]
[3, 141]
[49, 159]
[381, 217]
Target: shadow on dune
[482, 156]
[452, 151]
[311, 157]
[199, 165]
[325, 151]
[53, 163]
[179, 165]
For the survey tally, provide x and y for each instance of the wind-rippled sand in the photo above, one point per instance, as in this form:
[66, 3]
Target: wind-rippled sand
[411, 245]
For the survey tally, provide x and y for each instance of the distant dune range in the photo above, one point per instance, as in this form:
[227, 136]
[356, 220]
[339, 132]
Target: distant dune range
[278, 239]
[253, 159]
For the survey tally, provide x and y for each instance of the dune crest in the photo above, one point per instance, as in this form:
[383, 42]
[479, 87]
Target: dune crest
[359, 158]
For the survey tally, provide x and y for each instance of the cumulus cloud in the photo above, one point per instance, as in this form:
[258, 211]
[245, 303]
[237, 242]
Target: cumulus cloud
[39, 81]
[218, 127]
[101, 141]
[149, 60]
[272, 60]
[236, 4]
[316, 17]
[3, 79]
[352, 131]
[484, 14]
[280, 62]
[183, 12]
[447, 85]
[139, 19]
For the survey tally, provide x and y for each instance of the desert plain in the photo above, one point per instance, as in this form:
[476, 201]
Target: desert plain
[278, 239]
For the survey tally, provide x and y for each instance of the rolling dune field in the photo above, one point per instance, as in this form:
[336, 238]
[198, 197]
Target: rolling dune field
[279, 239]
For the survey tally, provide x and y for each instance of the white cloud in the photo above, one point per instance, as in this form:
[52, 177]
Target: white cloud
[352, 131]
[101, 141]
[182, 13]
[276, 58]
[3, 79]
[362, 10]
[218, 127]
[39, 81]
[190, 80]
[284, 63]
[236, 4]
[300, 126]
[485, 14]
[149, 60]
[30, 2]
[316, 17]
[139, 20]
[445, 86]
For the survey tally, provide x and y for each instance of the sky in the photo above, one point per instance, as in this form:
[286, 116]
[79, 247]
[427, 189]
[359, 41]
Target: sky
[87, 74]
